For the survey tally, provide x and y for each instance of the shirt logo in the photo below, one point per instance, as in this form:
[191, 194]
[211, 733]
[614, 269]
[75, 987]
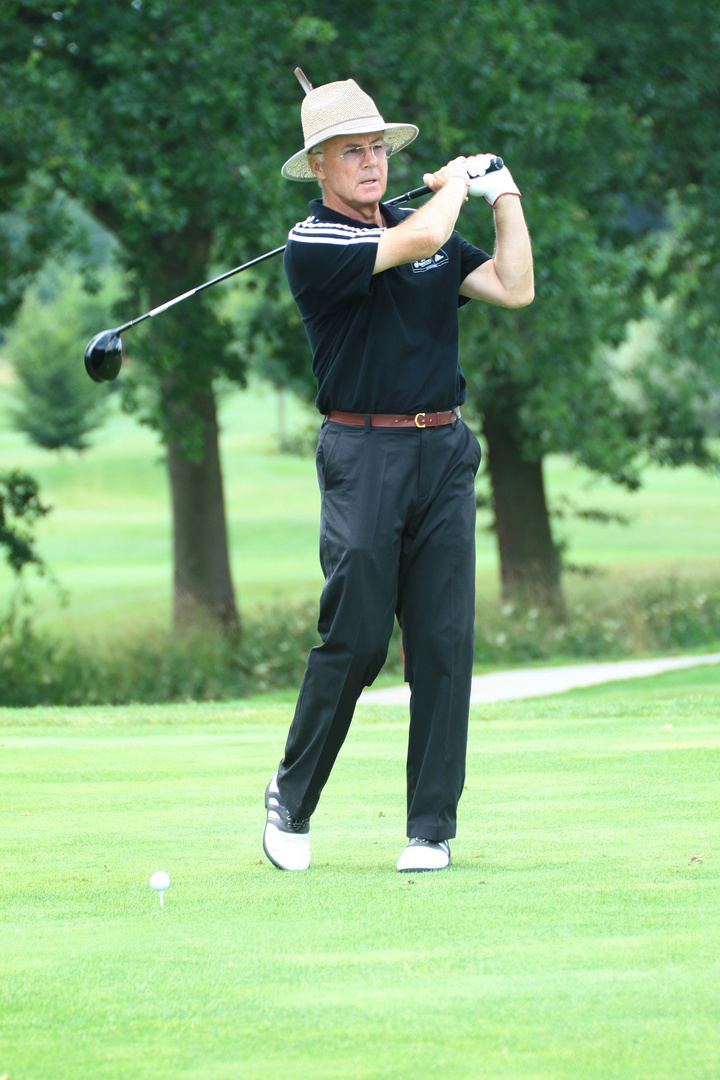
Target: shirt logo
[421, 265]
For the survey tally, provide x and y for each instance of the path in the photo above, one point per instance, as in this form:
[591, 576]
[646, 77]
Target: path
[537, 682]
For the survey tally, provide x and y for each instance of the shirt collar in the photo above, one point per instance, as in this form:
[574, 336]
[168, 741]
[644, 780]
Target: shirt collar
[319, 210]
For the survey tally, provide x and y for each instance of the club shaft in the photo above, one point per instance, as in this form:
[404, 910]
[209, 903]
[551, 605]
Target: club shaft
[415, 193]
[199, 288]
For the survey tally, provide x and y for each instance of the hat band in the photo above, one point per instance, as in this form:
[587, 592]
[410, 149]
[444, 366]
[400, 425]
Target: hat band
[317, 136]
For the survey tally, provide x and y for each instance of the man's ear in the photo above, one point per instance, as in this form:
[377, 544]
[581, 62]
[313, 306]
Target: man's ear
[316, 168]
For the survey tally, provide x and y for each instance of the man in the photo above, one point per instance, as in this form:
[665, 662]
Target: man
[378, 289]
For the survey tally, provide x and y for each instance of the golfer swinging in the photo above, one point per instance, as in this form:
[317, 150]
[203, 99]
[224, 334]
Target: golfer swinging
[378, 289]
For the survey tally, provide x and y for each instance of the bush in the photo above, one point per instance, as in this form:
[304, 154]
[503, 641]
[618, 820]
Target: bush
[659, 617]
[36, 669]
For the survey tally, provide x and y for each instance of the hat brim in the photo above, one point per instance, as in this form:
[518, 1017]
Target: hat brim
[397, 135]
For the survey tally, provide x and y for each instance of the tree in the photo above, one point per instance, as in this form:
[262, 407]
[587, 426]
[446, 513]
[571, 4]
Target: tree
[20, 508]
[169, 123]
[151, 120]
[661, 60]
[502, 78]
[58, 406]
[541, 379]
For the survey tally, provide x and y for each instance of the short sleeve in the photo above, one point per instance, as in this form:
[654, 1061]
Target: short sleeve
[470, 258]
[334, 260]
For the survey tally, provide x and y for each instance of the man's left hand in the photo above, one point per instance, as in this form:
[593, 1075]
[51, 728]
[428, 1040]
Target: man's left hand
[491, 185]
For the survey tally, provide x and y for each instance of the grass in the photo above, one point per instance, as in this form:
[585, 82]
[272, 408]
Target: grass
[701, 682]
[108, 538]
[575, 937]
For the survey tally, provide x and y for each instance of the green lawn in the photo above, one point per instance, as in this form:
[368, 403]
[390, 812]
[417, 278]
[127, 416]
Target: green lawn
[698, 683]
[108, 539]
[575, 937]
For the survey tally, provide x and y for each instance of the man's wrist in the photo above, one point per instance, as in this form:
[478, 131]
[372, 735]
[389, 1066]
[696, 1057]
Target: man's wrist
[459, 176]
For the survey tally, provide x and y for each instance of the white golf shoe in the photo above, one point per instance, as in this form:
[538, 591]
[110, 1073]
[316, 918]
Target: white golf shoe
[424, 855]
[286, 842]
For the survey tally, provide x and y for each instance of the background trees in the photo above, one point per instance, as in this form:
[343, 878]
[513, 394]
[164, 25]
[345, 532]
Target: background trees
[153, 118]
[57, 405]
[662, 62]
[169, 124]
[20, 508]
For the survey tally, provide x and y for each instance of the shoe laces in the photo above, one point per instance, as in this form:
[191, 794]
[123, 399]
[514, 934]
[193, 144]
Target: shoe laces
[296, 826]
[285, 821]
[417, 841]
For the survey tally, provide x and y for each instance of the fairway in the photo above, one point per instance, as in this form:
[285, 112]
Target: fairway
[575, 937]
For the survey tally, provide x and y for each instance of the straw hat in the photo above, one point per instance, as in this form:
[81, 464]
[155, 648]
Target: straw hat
[340, 108]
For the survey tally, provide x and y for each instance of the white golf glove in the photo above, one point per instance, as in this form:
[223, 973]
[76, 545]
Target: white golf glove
[491, 185]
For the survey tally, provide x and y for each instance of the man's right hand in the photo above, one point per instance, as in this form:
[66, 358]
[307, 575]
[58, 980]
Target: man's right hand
[424, 231]
[455, 168]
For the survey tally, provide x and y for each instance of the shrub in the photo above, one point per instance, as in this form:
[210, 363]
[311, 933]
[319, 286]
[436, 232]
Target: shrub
[36, 669]
[652, 618]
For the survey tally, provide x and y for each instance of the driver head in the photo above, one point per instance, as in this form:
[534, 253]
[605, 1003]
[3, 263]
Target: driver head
[103, 356]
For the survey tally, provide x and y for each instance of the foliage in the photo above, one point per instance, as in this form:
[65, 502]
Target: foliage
[656, 618]
[170, 122]
[153, 116]
[659, 63]
[545, 369]
[178, 178]
[20, 508]
[57, 404]
[36, 668]
[198, 665]
[303, 442]
[267, 331]
[34, 218]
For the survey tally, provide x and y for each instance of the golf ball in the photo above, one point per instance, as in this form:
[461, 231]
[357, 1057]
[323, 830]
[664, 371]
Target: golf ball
[160, 881]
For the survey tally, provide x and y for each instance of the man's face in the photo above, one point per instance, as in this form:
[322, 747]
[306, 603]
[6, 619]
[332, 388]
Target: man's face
[353, 176]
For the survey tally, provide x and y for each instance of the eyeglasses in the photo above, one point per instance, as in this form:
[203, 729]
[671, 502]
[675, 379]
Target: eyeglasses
[356, 154]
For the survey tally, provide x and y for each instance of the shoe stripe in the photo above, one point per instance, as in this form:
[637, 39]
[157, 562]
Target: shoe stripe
[280, 816]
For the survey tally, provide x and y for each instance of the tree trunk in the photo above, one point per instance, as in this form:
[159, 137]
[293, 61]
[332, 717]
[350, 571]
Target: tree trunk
[202, 588]
[202, 581]
[529, 562]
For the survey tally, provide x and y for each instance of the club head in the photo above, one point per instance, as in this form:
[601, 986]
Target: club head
[103, 356]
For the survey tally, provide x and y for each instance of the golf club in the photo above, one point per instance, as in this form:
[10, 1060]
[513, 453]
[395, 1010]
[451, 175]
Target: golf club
[103, 355]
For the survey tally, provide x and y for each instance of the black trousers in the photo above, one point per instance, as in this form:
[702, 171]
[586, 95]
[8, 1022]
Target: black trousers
[397, 536]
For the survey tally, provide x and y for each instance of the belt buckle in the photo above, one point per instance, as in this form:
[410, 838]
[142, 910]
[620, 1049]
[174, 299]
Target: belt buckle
[420, 420]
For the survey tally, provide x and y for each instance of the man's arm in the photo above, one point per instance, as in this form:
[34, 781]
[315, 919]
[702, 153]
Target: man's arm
[507, 278]
[425, 231]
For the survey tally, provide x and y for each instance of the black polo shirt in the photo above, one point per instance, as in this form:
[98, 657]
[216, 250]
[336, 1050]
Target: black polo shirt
[383, 343]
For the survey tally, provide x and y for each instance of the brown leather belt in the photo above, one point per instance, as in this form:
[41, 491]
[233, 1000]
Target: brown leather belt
[396, 420]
